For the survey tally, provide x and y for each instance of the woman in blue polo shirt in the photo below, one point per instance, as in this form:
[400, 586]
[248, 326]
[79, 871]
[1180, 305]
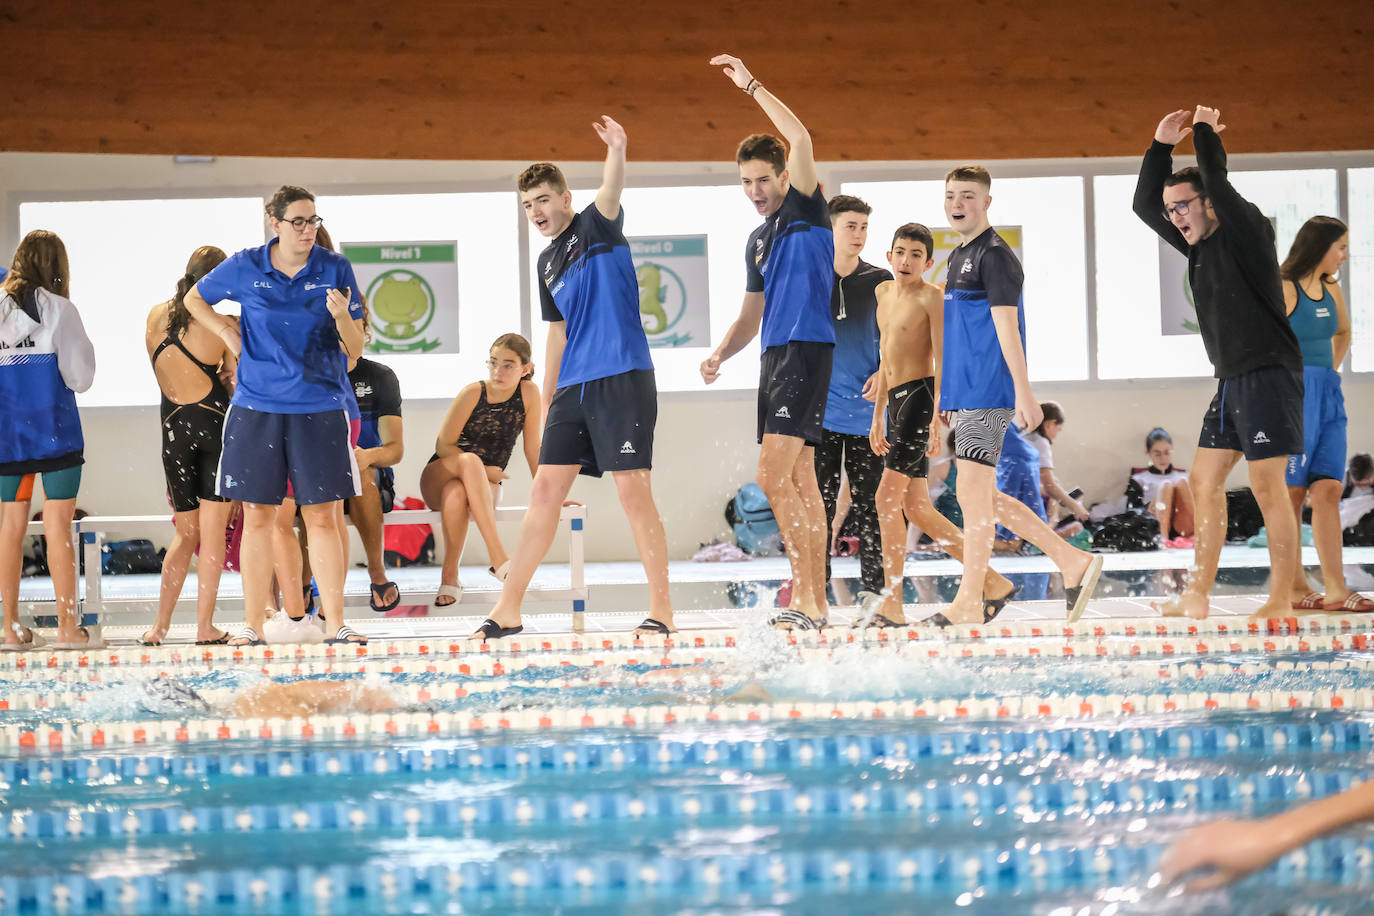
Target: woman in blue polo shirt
[288, 420]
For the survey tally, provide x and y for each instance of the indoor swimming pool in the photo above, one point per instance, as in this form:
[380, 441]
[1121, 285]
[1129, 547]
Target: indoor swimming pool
[1026, 767]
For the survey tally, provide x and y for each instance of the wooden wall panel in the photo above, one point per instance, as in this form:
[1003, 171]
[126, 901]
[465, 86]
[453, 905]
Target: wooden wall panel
[520, 81]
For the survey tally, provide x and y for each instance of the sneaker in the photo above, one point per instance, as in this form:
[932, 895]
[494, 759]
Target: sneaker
[282, 629]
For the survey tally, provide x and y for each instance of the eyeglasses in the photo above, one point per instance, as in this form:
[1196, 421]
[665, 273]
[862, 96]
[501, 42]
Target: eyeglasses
[501, 364]
[301, 222]
[1180, 208]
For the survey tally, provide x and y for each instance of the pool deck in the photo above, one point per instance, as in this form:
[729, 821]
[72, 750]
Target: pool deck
[420, 620]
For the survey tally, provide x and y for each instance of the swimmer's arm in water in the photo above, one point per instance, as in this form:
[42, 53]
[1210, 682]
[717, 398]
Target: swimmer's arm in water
[1234, 849]
[309, 698]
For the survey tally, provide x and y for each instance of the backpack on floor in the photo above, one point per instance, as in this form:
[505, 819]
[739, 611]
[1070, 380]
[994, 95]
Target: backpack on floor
[408, 545]
[1130, 531]
[756, 530]
[1243, 517]
[138, 555]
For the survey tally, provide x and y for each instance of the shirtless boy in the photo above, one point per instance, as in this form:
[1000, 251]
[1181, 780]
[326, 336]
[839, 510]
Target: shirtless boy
[910, 325]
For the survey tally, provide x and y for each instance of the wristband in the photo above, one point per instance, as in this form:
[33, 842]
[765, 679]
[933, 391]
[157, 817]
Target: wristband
[754, 86]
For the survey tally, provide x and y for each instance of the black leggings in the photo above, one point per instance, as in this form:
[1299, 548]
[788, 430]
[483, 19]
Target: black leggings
[865, 470]
[192, 437]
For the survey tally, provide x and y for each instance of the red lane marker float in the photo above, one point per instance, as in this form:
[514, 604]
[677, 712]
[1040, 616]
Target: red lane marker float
[432, 727]
[140, 736]
[391, 727]
[476, 725]
[588, 721]
[544, 722]
[223, 734]
[54, 739]
[182, 733]
[350, 730]
[1043, 709]
[307, 730]
[98, 739]
[27, 739]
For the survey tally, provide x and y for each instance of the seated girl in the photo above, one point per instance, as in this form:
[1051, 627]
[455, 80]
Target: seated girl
[1163, 491]
[1056, 497]
[463, 479]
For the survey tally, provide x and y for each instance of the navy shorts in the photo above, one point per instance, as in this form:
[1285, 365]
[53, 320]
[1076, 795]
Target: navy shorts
[910, 411]
[794, 381]
[1258, 414]
[606, 424]
[262, 451]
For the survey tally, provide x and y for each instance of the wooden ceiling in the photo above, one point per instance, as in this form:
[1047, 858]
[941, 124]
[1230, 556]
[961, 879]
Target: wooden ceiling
[878, 80]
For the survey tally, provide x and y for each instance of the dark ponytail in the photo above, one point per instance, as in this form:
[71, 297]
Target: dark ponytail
[1157, 435]
[203, 260]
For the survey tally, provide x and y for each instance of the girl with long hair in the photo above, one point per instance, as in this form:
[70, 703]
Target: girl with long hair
[45, 358]
[194, 370]
[1318, 316]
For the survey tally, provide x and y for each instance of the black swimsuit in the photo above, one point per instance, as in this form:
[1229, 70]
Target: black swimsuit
[192, 437]
[491, 429]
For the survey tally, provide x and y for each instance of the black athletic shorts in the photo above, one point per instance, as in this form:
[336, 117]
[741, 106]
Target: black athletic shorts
[910, 410]
[606, 424]
[1258, 414]
[794, 379]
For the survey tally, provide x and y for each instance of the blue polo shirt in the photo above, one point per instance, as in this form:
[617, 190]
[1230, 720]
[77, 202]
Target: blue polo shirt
[791, 260]
[291, 360]
[588, 281]
[983, 274]
[3, 271]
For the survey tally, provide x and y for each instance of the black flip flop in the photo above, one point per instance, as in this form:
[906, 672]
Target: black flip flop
[1076, 599]
[993, 606]
[222, 641]
[798, 620]
[378, 591]
[153, 643]
[655, 627]
[342, 637]
[490, 629]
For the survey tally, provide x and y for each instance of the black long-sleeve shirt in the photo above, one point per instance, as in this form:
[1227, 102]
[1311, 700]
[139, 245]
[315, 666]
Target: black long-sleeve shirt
[1234, 272]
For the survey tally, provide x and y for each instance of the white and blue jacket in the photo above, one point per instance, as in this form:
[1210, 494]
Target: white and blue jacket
[45, 357]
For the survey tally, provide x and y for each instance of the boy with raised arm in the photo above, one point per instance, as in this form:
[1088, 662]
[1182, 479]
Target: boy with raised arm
[910, 325]
[1257, 411]
[789, 263]
[984, 387]
[600, 398]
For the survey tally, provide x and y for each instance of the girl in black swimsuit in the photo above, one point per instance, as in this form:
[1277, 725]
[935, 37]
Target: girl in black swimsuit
[474, 446]
[191, 441]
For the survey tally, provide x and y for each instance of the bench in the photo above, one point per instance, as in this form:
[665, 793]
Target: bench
[93, 531]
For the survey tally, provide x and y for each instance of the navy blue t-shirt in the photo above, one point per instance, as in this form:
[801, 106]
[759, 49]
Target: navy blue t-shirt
[854, 312]
[588, 280]
[982, 273]
[378, 395]
[291, 360]
[791, 260]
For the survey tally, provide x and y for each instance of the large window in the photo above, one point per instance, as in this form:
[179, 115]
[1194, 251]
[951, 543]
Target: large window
[1360, 269]
[720, 214]
[483, 228]
[1050, 214]
[126, 256]
[1142, 300]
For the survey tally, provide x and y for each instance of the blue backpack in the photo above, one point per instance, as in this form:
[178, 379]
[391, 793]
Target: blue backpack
[756, 531]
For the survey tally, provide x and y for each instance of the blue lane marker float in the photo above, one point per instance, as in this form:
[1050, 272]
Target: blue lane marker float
[1185, 741]
[1033, 797]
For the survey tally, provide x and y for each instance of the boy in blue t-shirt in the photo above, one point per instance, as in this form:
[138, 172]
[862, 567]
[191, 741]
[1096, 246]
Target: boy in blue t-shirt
[288, 420]
[984, 387]
[848, 404]
[599, 396]
[789, 268]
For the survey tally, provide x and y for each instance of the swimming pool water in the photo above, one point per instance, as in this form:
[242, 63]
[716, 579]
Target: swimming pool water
[815, 815]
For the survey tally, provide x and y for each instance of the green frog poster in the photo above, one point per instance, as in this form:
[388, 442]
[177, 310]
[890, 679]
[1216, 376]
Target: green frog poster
[674, 300]
[412, 293]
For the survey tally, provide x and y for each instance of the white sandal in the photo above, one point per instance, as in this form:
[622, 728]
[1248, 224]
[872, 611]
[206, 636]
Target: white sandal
[448, 591]
[500, 572]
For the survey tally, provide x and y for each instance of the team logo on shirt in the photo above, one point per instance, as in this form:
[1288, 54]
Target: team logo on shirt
[313, 285]
[967, 268]
[362, 390]
[261, 284]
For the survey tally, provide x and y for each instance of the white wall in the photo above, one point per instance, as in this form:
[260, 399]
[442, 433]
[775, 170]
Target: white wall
[705, 441]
